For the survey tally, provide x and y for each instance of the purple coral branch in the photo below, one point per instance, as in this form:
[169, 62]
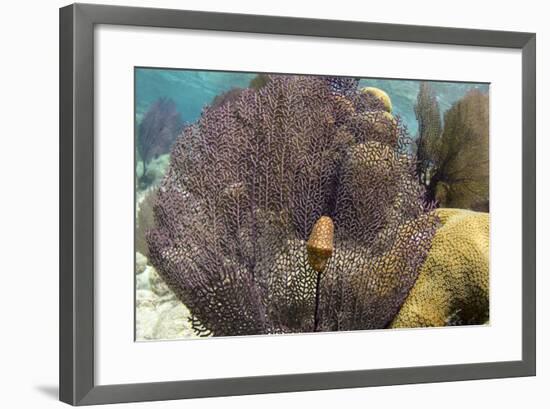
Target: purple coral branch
[245, 186]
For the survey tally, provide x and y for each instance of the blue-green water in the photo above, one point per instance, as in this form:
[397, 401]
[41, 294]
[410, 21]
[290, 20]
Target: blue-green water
[192, 90]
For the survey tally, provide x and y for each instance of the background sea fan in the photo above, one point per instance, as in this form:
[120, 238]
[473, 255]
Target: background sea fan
[461, 178]
[247, 183]
[158, 130]
[429, 131]
[453, 160]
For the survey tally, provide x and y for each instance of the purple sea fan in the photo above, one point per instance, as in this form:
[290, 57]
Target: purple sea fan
[158, 130]
[247, 183]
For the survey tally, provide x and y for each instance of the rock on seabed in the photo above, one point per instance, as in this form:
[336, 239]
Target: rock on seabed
[159, 314]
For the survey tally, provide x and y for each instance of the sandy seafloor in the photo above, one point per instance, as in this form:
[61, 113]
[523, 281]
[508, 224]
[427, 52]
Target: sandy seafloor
[159, 313]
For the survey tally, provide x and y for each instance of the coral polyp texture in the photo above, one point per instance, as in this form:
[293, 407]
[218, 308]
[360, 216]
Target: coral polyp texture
[293, 207]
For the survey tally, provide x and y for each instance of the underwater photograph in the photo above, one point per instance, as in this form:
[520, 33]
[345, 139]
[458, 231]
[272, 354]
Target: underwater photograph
[282, 204]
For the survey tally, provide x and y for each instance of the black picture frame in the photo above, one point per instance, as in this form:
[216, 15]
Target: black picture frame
[76, 274]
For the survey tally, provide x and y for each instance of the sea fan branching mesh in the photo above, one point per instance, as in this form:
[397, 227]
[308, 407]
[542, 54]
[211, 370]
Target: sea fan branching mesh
[247, 183]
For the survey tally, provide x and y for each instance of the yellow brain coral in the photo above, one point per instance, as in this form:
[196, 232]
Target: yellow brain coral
[383, 123]
[381, 95]
[453, 284]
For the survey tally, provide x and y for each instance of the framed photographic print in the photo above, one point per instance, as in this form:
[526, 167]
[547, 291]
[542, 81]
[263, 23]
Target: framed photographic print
[254, 204]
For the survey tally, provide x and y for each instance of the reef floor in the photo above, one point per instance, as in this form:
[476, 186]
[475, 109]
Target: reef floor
[159, 314]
